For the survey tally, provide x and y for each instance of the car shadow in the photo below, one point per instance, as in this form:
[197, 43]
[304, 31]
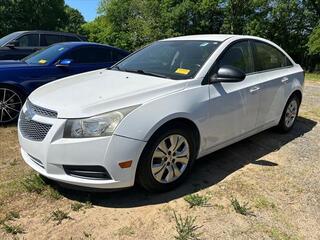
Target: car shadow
[207, 171]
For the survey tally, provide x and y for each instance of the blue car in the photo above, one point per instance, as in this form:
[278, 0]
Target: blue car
[19, 78]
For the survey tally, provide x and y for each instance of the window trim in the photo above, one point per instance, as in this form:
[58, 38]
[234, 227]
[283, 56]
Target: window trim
[206, 79]
[271, 69]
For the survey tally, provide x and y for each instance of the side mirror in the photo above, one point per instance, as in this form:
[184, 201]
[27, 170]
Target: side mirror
[228, 74]
[64, 63]
[12, 44]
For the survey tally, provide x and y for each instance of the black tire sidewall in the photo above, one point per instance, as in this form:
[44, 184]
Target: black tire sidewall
[145, 177]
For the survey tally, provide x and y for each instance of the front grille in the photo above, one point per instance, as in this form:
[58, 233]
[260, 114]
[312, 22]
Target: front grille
[41, 111]
[33, 130]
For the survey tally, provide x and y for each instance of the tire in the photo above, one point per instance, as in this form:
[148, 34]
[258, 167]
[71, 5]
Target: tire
[11, 102]
[152, 156]
[289, 114]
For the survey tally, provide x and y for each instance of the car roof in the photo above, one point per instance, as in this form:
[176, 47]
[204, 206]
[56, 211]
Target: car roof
[77, 44]
[48, 32]
[209, 37]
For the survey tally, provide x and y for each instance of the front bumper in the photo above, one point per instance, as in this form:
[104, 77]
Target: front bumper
[48, 157]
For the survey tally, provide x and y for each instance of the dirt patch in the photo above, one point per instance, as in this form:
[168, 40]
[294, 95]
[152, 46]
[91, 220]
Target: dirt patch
[276, 175]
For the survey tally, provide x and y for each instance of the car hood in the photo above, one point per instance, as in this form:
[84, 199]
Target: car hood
[101, 91]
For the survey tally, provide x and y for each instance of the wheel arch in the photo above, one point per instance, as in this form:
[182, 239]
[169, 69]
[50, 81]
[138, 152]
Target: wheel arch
[14, 86]
[178, 122]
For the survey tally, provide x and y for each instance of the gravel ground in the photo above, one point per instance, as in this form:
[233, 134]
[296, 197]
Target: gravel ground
[276, 175]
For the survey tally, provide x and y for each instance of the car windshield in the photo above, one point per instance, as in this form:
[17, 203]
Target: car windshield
[180, 59]
[47, 55]
[8, 38]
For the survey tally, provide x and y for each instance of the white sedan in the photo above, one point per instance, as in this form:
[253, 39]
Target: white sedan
[150, 116]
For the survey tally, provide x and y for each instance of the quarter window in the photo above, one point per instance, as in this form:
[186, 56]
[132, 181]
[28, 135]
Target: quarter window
[29, 40]
[238, 55]
[267, 57]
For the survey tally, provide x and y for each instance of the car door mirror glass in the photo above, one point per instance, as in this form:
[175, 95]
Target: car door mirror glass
[64, 63]
[228, 74]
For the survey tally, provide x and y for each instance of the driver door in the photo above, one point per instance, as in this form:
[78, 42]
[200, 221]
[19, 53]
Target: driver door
[233, 106]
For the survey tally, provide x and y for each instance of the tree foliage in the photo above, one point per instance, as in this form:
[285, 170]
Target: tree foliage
[18, 15]
[131, 24]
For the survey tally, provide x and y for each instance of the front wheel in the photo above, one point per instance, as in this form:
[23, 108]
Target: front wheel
[11, 102]
[289, 114]
[166, 160]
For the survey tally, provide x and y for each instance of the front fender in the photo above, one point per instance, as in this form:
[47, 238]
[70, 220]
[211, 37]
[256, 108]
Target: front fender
[191, 104]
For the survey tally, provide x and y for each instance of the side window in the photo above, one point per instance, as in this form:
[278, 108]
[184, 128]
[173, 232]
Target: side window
[29, 40]
[118, 55]
[238, 55]
[267, 57]
[90, 55]
[70, 39]
[49, 39]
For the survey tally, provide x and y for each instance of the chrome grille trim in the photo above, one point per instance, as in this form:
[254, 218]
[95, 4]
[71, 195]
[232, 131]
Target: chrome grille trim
[33, 130]
[41, 111]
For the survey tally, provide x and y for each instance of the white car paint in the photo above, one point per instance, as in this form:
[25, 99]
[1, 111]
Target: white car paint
[223, 113]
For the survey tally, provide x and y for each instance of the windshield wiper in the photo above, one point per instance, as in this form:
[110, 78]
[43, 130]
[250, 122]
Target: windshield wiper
[140, 71]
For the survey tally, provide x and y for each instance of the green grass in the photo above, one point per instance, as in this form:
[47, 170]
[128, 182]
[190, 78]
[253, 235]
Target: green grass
[34, 183]
[313, 77]
[126, 231]
[263, 203]
[12, 229]
[59, 215]
[186, 228]
[242, 209]
[196, 200]
[76, 206]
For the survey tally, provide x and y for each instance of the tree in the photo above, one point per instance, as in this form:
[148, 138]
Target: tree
[74, 20]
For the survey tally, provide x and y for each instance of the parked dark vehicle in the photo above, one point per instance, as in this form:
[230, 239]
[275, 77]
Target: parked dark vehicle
[18, 45]
[19, 78]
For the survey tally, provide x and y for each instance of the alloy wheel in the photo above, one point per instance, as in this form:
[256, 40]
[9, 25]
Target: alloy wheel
[170, 158]
[291, 113]
[10, 105]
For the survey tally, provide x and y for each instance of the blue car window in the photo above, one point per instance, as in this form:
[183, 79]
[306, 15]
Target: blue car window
[90, 54]
[47, 55]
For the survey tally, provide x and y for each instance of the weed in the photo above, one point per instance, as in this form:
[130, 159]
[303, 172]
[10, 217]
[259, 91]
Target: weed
[76, 206]
[12, 229]
[196, 200]
[53, 193]
[88, 205]
[186, 228]
[242, 209]
[125, 231]
[34, 183]
[10, 216]
[277, 234]
[264, 203]
[59, 215]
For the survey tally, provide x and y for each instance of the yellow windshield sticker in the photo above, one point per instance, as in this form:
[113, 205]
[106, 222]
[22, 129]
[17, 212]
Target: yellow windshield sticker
[42, 61]
[182, 71]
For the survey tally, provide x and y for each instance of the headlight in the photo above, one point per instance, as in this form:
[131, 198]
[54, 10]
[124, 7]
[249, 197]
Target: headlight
[97, 126]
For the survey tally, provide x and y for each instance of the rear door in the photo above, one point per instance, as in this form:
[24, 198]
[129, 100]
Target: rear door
[233, 106]
[271, 72]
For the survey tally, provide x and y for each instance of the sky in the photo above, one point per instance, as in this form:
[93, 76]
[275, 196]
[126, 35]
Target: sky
[88, 8]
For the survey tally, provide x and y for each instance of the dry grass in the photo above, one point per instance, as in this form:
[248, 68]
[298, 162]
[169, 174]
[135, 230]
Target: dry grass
[277, 175]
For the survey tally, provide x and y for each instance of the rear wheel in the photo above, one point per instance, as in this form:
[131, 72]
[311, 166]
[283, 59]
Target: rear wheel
[289, 114]
[166, 160]
[11, 102]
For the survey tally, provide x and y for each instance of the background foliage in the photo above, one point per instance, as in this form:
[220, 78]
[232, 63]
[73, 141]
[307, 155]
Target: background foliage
[130, 24]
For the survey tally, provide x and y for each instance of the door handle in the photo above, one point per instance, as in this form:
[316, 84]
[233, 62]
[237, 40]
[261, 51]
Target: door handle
[254, 89]
[284, 79]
